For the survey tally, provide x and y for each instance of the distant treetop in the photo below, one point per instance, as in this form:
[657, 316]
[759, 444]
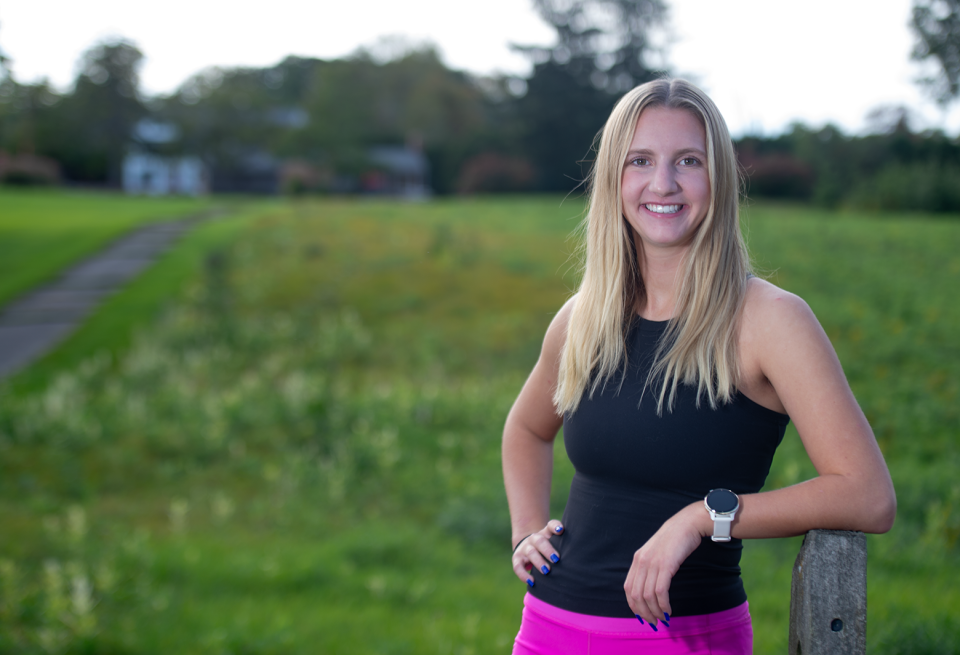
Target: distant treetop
[937, 26]
[605, 42]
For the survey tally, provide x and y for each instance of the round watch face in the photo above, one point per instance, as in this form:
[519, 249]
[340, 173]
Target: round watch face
[723, 501]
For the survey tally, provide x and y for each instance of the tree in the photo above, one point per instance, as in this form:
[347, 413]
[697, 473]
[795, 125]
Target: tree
[25, 112]
[102, 111]
[4, 66]
[937, 27]
[328, 114]
[601, 42]
[601, 51]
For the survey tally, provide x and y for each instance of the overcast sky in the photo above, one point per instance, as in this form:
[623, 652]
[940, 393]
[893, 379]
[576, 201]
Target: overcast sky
[766, 63]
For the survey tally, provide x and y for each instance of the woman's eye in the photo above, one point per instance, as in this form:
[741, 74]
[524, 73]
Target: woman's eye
[689, 161]
[639, 161]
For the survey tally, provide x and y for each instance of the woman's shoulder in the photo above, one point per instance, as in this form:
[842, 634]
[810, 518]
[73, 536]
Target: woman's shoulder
[767, 306]
[777, 325]
[777, 332]
[557, 331]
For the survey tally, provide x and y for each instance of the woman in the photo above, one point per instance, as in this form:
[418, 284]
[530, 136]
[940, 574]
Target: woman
[673, 372]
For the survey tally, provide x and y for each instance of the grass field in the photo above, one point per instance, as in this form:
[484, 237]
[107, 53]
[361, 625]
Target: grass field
[43, 231]
[300, 453]
[110, 330]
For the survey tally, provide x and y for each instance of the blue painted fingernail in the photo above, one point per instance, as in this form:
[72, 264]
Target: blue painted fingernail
[639, 619]
[559, 529]
[666, 619]
[544, 569]
[554, 558]
[653, 626]
[529, 582]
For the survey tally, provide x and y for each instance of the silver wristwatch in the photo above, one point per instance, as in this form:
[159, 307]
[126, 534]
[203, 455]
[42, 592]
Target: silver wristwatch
[722, 505]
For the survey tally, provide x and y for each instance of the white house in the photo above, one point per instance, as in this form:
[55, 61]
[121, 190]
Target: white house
[157, 175]
[147, 172]
[405, 172]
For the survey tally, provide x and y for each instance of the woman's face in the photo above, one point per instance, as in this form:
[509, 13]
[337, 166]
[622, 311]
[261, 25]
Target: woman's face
[665, 184]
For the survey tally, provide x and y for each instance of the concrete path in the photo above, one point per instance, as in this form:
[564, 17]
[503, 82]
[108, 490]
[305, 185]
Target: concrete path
[36, 322]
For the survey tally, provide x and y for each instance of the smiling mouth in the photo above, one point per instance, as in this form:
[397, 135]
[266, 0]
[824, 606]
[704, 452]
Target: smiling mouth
[664, 209]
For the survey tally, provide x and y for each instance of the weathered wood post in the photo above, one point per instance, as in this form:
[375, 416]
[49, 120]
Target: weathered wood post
[828, 596]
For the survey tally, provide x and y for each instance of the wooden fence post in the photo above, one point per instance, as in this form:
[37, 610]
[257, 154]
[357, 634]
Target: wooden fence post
[828, 596]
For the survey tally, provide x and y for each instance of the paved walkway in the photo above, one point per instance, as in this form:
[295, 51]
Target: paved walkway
[36, 322]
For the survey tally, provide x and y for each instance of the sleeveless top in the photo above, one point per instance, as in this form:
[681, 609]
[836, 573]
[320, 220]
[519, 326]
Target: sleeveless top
[634, 470]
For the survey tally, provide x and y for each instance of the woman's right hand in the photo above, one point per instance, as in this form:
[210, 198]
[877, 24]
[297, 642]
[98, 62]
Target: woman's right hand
[536, 552]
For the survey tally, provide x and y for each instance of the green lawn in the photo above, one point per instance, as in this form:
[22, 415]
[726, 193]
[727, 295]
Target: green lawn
[300, 452]
[43, 231]
[109, 330]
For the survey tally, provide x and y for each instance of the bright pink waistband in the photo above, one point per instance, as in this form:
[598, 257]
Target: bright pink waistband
[679, 625]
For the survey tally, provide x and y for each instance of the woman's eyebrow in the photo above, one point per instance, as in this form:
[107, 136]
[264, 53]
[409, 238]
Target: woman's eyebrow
[681, 151]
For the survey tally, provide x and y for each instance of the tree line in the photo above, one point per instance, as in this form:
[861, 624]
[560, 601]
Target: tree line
[479, 134]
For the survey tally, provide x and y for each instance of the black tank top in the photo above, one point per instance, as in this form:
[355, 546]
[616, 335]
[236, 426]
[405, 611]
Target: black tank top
[634, 470]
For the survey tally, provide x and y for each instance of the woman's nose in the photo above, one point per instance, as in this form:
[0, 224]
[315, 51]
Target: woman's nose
[664, 181]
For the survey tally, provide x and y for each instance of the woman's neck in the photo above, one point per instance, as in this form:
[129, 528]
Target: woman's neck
[660, 269]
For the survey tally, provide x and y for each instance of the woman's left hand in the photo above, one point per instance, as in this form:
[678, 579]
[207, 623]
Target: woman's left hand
[648, 582]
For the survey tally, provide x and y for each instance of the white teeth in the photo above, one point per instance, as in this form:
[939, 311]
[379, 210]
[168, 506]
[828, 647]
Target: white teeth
[664, 209]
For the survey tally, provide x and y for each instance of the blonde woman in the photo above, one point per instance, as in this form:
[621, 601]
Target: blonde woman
[673, 372]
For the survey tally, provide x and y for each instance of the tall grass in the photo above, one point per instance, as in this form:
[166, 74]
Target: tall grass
[302, 453]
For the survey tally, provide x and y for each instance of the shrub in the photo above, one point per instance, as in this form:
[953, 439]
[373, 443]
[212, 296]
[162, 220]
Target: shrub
[493, 172]
[922, 186]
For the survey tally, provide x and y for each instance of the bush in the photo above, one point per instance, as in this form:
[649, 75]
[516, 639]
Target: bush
[494, 172]
[28, 170]
[924, 186]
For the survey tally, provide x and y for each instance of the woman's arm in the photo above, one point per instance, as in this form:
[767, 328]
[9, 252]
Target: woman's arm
[789, 362]
[853, 489]
[527, 452]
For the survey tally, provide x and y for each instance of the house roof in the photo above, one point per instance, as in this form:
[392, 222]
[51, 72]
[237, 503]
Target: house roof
[399, 159]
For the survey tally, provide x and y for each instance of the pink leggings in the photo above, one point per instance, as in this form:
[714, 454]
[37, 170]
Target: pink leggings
[548, 630]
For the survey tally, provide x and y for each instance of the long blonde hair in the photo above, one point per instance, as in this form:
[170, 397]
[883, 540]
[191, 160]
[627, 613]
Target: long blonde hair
[699, 345]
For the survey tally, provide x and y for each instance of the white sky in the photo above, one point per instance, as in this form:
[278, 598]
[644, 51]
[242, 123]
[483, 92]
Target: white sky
[766, 63]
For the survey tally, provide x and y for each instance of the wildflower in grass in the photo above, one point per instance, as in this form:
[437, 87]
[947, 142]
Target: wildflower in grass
[61, 395]
[56, 603]
[222, 507]
[418, 590]
[271, 472]
[270, 567]
[237, 448]
[76, 523]
[377, 585]
[447, 441]
[51, 639]
[106, 577]
[469, 624]
[387, 447]
[179, 508]
[81, 602]
[9, 590]
[52, 525]
[160, 601]
[444, 466]
[335, 477]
